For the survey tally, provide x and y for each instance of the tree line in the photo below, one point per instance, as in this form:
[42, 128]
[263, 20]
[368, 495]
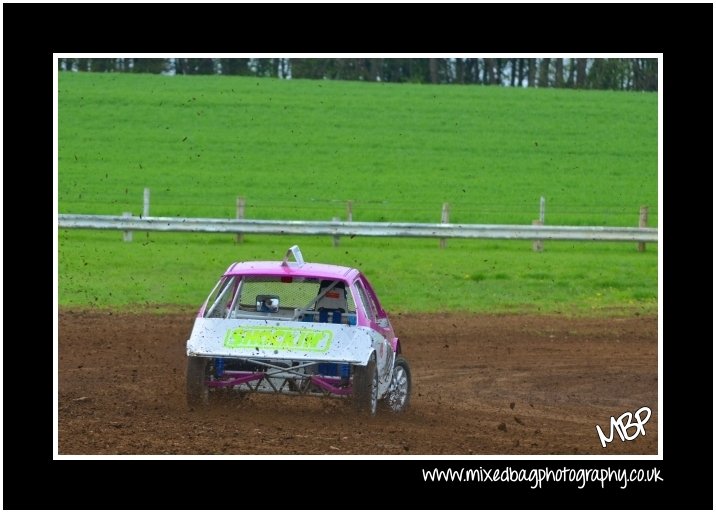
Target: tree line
[609, 73]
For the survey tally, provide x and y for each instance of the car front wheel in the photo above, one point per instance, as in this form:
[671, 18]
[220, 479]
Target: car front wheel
[398, 396]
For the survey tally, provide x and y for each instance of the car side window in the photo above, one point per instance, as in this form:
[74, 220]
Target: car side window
[365, 300]
[220, 298]
[379, 312]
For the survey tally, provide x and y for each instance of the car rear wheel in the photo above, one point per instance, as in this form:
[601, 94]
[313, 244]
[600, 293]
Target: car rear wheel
[398, 396]
[365, 386]
[197, 373]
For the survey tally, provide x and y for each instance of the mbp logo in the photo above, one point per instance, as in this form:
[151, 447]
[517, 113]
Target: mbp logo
[624, 423]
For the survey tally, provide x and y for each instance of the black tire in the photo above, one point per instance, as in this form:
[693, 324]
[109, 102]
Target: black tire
[398, 397]
[365, 387]
[197, 372]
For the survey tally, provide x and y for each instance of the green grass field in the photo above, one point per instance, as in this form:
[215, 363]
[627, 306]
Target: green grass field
[301, 149]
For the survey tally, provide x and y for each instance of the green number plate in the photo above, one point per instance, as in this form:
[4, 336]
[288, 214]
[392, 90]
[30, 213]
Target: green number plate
[277, 338]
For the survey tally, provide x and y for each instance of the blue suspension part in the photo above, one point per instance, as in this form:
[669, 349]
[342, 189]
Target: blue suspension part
[218, 367]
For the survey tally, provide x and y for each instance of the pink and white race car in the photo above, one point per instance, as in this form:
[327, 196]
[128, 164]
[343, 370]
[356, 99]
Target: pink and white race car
[296, 328]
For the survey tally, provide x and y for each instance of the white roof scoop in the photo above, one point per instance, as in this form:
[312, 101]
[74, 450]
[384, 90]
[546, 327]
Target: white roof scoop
[294, 251]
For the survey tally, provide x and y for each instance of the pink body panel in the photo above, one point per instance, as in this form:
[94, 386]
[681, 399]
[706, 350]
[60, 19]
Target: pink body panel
[327, 271]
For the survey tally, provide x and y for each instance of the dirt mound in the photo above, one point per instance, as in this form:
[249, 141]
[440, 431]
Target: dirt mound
[481, 385]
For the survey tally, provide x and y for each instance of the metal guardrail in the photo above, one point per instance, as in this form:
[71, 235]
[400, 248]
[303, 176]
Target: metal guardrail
[341, 228]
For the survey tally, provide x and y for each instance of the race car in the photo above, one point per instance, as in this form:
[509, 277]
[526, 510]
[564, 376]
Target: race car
[296, 328]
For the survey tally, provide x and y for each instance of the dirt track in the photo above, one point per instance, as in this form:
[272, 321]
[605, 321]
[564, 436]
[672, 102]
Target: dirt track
[481, 385]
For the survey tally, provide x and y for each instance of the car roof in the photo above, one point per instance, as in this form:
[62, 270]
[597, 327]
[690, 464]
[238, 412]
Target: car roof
[307, 270]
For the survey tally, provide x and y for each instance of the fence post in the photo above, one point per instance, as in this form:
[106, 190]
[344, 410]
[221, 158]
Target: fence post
[336, 238]
[127, 235]
[145, 211]
[643, 218]
[349, 208]
[538, 245]
[444, 219]
[240, 206]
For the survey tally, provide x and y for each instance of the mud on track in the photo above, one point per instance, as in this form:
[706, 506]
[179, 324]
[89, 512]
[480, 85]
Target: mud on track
[481, 385]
